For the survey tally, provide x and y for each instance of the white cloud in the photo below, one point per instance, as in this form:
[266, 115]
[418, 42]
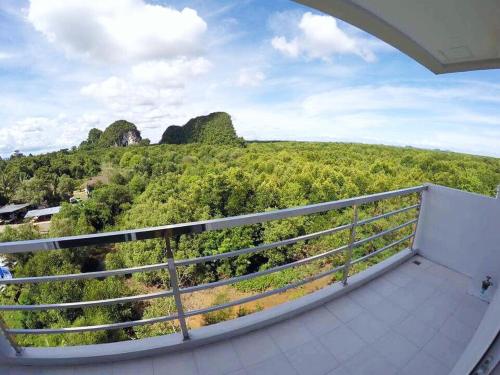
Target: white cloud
[250, 78]
[5, 55]
[149, 85]
[320, 37]
[120, 94]
[39, 134]
[111, 87]
[290, 123]
[396, 97]
[479, 142]
[155, 50]
[118, 30]
[172, 73]
[425, 115]
[288, 48]
[363, 98]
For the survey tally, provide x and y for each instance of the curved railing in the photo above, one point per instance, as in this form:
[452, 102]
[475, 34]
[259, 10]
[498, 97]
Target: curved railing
[168, 231]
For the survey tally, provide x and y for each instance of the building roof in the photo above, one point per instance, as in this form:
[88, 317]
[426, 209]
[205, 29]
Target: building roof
[43, 212]
[445, 36]
[12, 208]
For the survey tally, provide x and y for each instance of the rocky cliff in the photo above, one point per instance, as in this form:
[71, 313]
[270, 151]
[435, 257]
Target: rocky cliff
[215, 128]
[120, 134]
[131, 137]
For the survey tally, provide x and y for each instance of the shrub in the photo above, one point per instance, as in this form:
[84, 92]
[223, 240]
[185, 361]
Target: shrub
[219, 315]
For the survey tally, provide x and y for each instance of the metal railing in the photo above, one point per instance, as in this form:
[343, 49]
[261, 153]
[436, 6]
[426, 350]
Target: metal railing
[169, 231]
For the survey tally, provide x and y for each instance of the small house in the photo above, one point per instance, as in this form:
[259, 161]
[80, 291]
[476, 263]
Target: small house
[13, 213]
[43, 214]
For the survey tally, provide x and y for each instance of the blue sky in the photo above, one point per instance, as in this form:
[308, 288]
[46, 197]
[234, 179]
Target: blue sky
[282, 71]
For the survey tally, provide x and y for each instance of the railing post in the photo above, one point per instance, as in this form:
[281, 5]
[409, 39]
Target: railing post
[174, 284]
[352, 239]
[8, 336]
[419, 210]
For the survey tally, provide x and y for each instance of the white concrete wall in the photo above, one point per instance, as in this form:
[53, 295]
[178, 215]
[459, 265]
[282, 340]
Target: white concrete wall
[485, 334]
[459, 230]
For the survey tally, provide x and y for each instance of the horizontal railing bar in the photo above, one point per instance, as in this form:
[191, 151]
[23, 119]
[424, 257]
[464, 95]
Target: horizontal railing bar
[388, 214]
[237, 279]
[368, 256]
[384, 233]
[199, 311]
[263, 247]
[75, 305]
[185, 262]
[194, 227]
[264, 294]
[52, 331]
[236, 221]
[82, 276]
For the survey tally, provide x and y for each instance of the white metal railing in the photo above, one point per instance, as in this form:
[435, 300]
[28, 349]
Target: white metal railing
[169, 231]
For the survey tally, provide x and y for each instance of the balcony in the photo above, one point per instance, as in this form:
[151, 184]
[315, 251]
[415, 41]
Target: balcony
[420, 309]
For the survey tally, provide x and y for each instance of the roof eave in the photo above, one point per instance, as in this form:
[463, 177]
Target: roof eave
[363, 19]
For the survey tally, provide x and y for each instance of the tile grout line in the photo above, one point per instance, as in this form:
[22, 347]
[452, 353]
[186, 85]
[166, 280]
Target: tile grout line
[198, 370]
[279, 348]
[231, 343]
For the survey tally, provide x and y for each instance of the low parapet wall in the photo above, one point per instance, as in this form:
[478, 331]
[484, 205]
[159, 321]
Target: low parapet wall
[126, 350]
[459, 229]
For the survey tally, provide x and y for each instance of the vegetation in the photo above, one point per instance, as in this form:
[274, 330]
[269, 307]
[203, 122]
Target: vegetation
[162, 184]
[46, 179]
[215, 128]
[218, 316]
[119, 133]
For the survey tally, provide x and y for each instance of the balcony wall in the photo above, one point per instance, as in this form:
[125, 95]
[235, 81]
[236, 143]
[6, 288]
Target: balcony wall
[460, 230]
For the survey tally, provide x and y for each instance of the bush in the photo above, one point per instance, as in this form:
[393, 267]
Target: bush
[219, 315]
[242, 311]
[156, 308]
[271, 281]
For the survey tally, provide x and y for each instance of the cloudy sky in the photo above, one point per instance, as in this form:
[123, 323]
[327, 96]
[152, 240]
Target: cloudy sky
[282, 71]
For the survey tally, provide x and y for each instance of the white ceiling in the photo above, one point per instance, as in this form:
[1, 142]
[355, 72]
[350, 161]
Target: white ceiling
[443, 35]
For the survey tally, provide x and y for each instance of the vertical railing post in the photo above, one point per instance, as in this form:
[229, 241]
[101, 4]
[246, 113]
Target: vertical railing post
[174, 284]
[352, 239]
[419, 210]
[8, 336]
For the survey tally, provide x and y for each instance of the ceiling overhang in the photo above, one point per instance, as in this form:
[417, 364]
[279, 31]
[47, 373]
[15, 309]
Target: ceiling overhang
[443, 35]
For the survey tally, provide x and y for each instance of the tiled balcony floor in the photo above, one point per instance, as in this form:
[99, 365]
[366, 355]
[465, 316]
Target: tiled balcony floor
[416, 319]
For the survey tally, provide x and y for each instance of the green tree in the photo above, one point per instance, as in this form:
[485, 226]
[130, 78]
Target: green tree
[155, 309]
[65, 187]
[94, 137]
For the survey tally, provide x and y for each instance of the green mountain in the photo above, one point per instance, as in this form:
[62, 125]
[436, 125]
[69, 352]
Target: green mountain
[120, 133]
[215, 128]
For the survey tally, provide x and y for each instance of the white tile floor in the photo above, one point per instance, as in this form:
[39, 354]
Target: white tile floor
[416, 319]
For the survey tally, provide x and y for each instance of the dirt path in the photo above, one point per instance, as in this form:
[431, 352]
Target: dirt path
[206, 298]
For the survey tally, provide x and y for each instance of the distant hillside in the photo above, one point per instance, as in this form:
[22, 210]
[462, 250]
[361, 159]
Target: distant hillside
[120, 133]
[215, 128]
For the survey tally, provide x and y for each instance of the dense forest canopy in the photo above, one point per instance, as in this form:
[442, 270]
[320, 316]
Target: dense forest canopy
[162, 184]
[46, 179]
